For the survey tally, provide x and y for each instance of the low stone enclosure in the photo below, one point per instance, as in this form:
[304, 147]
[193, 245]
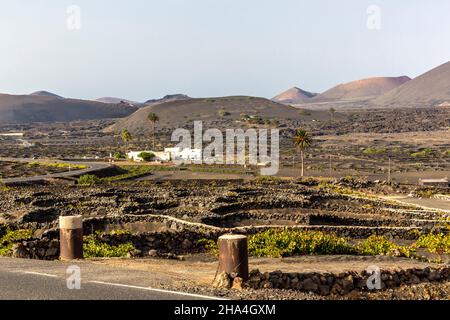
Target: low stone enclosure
[169, 220]
[335, 283]
[175, 236]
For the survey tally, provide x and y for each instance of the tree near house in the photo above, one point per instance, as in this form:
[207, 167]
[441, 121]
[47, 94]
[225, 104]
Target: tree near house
[153, 118]
[126, 138]
[146, 156]
[302, 141]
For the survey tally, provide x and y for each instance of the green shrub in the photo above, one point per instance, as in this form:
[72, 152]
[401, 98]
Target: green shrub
[422, 153]
[133, 171]
[284, 243]
[434, 243]
[119, 155]
[275, 243]
[425, 193]
[146, 156]
[10, 237]
[376, 245]
[58, 165]
[209, 245]
[94, 248]
[223, 113]
[267, 180]
[88, 180]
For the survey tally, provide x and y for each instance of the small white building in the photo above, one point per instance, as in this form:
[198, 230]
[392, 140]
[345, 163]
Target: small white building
[159, 156]
[12, 134]
[186, 154]
[444, 182]
[162, 156]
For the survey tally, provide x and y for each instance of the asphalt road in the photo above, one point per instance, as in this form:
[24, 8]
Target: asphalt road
[34, 286]
[22, 279]
[425, 203]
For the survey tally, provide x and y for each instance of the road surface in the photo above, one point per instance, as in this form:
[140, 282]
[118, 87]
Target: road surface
[47, 280]
[424, 203]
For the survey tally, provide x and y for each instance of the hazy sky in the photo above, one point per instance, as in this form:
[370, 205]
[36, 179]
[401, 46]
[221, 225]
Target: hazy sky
[142, 49]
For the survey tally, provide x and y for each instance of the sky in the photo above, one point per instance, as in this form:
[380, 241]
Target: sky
[144, 49]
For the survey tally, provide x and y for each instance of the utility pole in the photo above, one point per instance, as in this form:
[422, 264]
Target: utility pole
[389, 171]
[330, 167]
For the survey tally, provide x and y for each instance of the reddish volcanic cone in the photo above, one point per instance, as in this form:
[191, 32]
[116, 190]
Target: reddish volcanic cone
[361, 89]
[294, 96]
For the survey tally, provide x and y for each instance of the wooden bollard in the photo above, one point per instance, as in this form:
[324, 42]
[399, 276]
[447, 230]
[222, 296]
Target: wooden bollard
[233, 255]
[71, 237]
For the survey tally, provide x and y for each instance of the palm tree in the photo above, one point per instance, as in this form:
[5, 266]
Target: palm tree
[153, 118]
[126, 138]
[302, 141]
[332, 112]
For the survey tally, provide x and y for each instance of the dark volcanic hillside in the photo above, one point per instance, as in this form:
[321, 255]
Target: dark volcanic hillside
[360, 89]
[226, 109]
[16, 109]
[168, 98]
[45, 94]
[294, 96]
[114, 100]
[430, 89]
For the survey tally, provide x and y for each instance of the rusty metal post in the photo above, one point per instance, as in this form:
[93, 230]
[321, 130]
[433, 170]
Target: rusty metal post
[233, 255]
[71, 237]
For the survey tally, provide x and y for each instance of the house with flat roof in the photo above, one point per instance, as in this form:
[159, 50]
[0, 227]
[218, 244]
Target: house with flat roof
[159, 155]
[186, 154]
[444, 182]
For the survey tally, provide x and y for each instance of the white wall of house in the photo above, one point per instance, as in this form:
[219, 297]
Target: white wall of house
[184, 154]
[159, 156]
[169, 154]
[162, 156]
[134, 155]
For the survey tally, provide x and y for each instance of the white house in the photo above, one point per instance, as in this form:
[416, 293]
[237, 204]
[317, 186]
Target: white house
[187, 154]
[173, 152]
[444, 182]
[162, 156]
[159, 156]
[12, 134]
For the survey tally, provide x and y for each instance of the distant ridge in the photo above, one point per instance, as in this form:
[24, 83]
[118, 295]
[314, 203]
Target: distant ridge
[169, 97]
[43, 93]
[427, 90]
[361, 89]
[46, 107]
[294, 95]
[174, 114]
[116, 100]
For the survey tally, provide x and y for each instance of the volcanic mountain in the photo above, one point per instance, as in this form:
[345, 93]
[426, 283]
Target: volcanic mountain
[46, 107]
[294, 96]
[223, 110]
[168, 98]
[427, 90]
[361, 89]
[45, 94]
[115, 100]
